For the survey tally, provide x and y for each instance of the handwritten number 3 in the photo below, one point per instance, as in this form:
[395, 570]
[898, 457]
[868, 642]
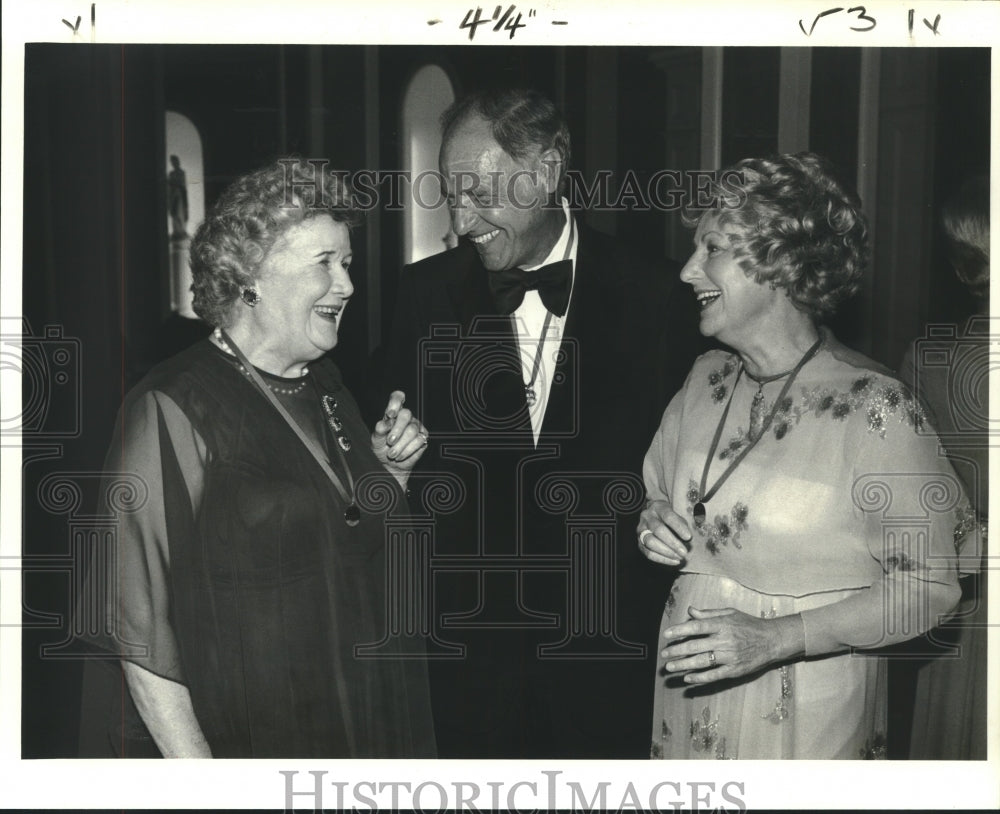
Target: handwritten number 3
[862, 15]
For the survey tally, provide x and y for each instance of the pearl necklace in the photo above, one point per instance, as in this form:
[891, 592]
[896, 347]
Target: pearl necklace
[274, 388]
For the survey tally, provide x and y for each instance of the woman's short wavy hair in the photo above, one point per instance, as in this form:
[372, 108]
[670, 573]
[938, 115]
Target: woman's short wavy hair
[797, 228]
[247, 220]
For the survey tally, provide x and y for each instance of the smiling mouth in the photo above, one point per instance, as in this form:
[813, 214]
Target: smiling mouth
[328, 312]
[706, 298]
[479, 240]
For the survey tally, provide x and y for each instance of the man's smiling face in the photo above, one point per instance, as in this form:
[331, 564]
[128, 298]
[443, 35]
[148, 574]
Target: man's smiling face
[497, 201]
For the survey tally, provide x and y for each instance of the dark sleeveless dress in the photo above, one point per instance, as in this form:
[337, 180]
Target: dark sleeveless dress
[240, 576]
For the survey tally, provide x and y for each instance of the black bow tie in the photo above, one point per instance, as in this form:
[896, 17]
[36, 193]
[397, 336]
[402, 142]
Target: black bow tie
[552, 283]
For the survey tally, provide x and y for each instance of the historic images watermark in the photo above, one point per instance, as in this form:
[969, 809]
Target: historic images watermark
[545, 790]
[665, 190]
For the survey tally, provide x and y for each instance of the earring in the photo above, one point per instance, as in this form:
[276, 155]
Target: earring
[771, 285]
[250, 296]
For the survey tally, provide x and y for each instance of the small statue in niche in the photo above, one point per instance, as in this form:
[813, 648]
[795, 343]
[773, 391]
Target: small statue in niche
[177, 200]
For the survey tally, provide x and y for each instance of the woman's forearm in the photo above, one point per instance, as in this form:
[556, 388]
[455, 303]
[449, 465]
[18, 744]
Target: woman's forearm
[790, 637]
[885, 614]
[166, 709]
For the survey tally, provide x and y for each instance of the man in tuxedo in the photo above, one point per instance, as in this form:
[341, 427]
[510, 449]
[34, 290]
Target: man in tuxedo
[540, 355]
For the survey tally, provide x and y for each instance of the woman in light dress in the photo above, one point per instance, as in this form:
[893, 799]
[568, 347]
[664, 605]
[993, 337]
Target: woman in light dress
[794, 486]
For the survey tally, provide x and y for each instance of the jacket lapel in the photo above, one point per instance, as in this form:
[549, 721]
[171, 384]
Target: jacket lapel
[490, 361]
[468, 288]
[580, 343]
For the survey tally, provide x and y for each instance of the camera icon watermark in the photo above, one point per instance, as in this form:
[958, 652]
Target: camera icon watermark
[958, 363]
[48, 366]
[480, 370]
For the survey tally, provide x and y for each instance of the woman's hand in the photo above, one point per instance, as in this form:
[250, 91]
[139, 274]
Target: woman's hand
[399, 439]
[663, 534]
[726, 643]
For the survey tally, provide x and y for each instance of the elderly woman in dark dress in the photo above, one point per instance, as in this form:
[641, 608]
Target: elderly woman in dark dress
[253, 571]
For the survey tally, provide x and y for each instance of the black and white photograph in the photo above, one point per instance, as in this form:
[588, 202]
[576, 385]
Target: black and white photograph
[470, 407]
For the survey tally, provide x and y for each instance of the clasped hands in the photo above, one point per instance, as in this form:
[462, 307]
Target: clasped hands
[715, 643]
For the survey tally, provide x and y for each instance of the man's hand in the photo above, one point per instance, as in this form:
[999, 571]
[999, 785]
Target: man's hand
[399, 439]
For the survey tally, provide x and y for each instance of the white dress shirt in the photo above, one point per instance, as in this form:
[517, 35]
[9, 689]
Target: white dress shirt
[529, 319]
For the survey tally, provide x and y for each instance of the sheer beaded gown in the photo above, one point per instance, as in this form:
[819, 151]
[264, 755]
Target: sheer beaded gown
[843, 511]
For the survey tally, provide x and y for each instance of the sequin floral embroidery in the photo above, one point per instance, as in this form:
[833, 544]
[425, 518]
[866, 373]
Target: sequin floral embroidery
[692, 493]
[705, 735]
[901, 561]
[735, 445]
[716, 379]
[965, 521]
[671, 602]
[874, 748]
[656, 747]
[723, 530]
[782, 711]
[879, 403]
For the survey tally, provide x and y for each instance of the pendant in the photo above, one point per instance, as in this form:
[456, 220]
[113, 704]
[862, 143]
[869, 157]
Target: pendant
[530, 395]
[699, 513]
[757, 415]
[352, 515]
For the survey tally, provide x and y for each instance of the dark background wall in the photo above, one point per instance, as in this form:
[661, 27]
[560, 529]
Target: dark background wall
[95, 246]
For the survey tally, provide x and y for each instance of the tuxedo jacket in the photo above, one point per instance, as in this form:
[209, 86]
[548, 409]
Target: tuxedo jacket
[537, 574]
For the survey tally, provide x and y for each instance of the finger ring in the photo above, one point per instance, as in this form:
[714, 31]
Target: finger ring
[643, 535]
[423, 434]
[711, 658]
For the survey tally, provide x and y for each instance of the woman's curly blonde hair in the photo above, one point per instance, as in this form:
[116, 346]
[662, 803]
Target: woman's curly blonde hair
[797, 228]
